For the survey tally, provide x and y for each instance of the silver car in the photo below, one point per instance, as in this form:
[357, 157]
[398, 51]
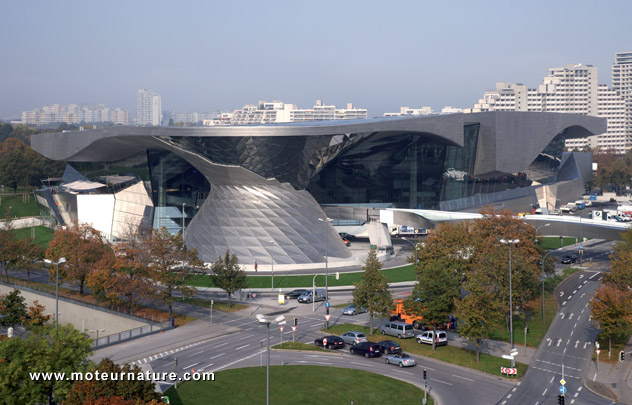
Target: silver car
[353, 337]
[352, 310]
[401, 359]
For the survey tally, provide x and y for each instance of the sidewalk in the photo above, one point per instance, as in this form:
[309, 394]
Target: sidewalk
[611, 380]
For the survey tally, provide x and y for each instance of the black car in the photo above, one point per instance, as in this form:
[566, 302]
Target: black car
[294, 294]
[568, 259]
[347, 236]
[368, 349]
[330, 342]
[389, 346]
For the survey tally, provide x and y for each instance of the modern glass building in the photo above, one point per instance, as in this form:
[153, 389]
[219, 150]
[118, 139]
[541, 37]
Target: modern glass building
[259, 190]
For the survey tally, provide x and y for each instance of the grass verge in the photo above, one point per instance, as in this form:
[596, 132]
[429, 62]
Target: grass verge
[554, 242]
[450, 354]
[297, 384]
[404, 273]
[220, 306]
[12, 206]
[300, 346]
[43, 234]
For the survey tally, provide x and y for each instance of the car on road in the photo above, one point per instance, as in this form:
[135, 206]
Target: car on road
[353, 310]
[568, 259]
[366, 349]
[390, 347]
[307, 298]
[295, 294]
[346, 242]
[347, 236]
[353, 337]
[330, 342]
[427, 337]
[400, 329]
[401, 359]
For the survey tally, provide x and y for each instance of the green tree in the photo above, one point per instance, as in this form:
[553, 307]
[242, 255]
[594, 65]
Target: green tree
[43, 350]
[13, 307]
[22, 166]
[480, 313]
[227, 275]
[10, 252]
[371, 292]
[611, 311]
[621, 263]
[434, 295]
[35, 316]
[115, 389]
[171, 265]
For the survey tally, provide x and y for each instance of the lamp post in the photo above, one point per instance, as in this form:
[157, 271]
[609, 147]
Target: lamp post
[272, 261]
[509, 243]
[280, 320]
[183, 204]
[96, 342]
[325, 221]
[414, 247]
[544, 261]
[61, 260]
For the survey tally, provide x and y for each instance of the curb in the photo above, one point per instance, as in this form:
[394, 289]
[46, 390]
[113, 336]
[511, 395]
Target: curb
[599, 394]
[307, 351]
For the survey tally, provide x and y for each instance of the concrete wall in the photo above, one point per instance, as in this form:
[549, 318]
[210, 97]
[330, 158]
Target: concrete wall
[78, 315]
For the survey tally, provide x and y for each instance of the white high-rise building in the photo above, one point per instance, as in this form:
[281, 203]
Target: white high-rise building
[149, 108]
[75, 114]
[572, 89]
[622, 83]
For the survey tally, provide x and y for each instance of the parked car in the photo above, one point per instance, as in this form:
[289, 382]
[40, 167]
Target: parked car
[330, 342]
[307, 298]
[568, 259]
[368, 349]
[401, 359]
[390, 346]
[347, 236]
[346, 242]
[353, 337]
[427, 336]
[352, 310]
[295, 294]
[400, 329]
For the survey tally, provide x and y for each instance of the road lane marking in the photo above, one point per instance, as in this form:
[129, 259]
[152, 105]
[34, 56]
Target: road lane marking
[216, 356]
[241, 347]
[404, 372]
[574, 326]
[202, 369]
[514, 389]
[442, 382]
[564, 351]
[544, 393]
[192, 365]
[564, 303]
[245, 337]
[597, 273]
[579, 389]
[562, 314]
[194, 354]
[224, 344]
[549, 340]
[576, 343]
[572, 332]
[552, 378]
[558, 342]
[570, 316]
[575, 292]
[509, 396]
[465, 378]
[561, 293]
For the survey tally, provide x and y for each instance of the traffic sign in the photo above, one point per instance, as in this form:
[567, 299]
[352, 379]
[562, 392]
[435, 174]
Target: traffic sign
[281, 328]
[563, 381]
[327, 317]
[426, 384]
[562, 389]
[508, 371]
[581, 246]
[326, 304]
[598, 352]
[254, 295]
[293, 328]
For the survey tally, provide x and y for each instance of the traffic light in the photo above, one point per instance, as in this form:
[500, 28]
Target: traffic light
[621, 355]
[425, 375]
[295, 321]
[327, 310]
[560, 399]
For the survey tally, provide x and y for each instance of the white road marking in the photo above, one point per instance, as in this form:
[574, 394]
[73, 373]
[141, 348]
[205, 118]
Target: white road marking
[561, 293]
[443, 382]
[192, 365]
[465, 378]
[241, 347]
[597, 273]
[595, 376]
[514, 389]
[194, 354]
[245, 337]
[581, 276]
[585, 344]
[575, 292]
[564, 303]
[552, 378]
[202, 368]
[549, 340]
[558, 342]
[576, 343]
[579, 389]
[572, 332]
[570, 316]
[509, 396]
[544, 393]
[217, 355]
[574, 326]
[562, 315]
[224, 344]
[564, 351]
[404, 372]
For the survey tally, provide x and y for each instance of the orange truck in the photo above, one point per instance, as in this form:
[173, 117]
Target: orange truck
[398, 312]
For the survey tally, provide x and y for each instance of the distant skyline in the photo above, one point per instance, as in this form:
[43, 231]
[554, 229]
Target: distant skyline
[206, 56]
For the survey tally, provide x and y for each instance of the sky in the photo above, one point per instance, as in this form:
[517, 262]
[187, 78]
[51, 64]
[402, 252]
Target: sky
[221, 55]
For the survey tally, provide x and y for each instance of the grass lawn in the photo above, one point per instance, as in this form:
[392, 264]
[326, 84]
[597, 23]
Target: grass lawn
[296, 384]
[449, 354]
[14, 206]
[220, 306]
[300, 346]
[43, 234]
[404, 273]
[553, 242]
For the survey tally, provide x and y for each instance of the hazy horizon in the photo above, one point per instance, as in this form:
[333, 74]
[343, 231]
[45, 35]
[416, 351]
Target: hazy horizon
[208, 56]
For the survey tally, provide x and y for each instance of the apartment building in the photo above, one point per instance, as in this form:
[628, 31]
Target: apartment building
[149, 108]
[75, 114]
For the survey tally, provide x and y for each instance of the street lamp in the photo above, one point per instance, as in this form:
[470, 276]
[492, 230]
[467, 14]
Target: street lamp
[509, 243]
[61, 260]
[279, 320]
[414, 247]
[272, 261]
[544, 261]
[325, 221]
[183, 204]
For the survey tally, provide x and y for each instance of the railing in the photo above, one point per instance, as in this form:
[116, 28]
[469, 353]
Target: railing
[480, 200]
[131, 334]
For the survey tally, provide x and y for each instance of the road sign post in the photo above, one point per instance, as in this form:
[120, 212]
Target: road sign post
[327, 321]
[211, 318]
[281, 329]
[293, 330]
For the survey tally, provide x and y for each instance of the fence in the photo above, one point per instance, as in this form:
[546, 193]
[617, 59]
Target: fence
[131, 334]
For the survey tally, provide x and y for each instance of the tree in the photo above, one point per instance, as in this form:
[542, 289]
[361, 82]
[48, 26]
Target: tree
[372, 291]
[171, 265]
[84, 250]
[114, 390]
[611, 310]
[22, 166]
[433, 295]
[227, 275]
[480, 314]
[43, 350]
[13, 308]
[10, 252]
[35, 316]
[621, 263]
